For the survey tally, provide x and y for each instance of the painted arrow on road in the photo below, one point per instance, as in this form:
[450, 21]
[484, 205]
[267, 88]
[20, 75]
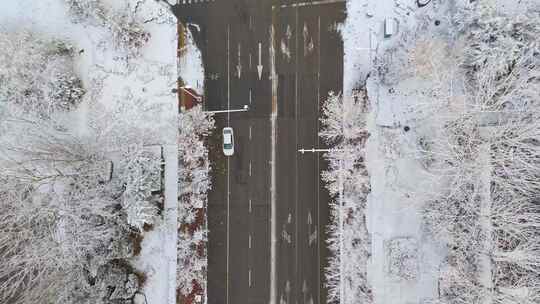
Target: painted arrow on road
[308, 41]
[285, 45]
[260, 67]
[312, 236]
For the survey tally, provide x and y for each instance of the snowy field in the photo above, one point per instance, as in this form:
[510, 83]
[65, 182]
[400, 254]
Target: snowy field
[127, 86]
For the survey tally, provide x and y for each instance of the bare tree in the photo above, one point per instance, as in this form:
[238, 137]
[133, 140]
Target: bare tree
[343, 128]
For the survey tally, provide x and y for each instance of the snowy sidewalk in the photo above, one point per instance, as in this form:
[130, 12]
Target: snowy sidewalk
[171, 215]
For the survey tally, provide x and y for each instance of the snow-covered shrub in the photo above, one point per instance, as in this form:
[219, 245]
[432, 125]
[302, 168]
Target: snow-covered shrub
[86, 10]
[402, 258]
[194, 183]
[343, 128]
[139, 175]
[115, 282]
[37, 74]
[496, 40]
[128, 33]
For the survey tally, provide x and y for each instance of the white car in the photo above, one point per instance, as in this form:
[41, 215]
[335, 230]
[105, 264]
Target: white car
[228, 141]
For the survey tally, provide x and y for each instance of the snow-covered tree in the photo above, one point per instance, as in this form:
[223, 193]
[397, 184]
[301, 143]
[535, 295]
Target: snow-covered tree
[485, 156]
[496, 39]
[128, 33]
[72, 200]
[140, 175]
[59, 218]
[37, 74]
[343, 128]
[194, 182]
[87, 10]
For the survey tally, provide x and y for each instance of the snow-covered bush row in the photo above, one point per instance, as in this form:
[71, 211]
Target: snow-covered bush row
[127, 30]
[344, 130]
[37, 74]
[486, 155]
[194, 182]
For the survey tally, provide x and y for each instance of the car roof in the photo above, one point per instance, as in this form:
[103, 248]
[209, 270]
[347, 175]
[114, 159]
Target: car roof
[227, 138]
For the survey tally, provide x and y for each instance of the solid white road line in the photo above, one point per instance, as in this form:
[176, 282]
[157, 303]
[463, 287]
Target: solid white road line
[228, 159]
[296, 264]
[228, 74]
[318, 161]
[273, 212]
[312, 3]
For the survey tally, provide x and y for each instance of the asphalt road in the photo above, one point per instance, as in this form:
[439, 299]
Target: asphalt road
[308, 56]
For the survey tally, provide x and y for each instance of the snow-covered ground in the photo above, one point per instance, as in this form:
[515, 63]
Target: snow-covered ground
[433, 76]
[112, 77]
[190, 67]
[404, 261]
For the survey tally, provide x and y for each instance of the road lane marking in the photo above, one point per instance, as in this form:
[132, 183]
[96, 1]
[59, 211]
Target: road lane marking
[239, 65]
[249, 168]
[249, 132]
[273, 214]
[228, 159]
[312, 3]
[296, 173]
[318, 157]
[250, 241]
[249, 205]
[228, 75]
[249, 277]
[260, 66]
[250, 97]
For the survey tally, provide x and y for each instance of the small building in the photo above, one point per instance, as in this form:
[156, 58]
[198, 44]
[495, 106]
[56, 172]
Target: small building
[188, 98]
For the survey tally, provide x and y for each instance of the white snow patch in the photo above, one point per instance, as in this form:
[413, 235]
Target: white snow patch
[190, 66]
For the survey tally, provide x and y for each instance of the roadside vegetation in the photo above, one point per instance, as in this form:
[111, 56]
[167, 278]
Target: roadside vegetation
[344, 131]
[195, 127]
[78, 186]
[485, 155]
[127, 32]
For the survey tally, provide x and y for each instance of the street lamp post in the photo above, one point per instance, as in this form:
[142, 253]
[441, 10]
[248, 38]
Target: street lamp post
[313, 150]
[244, 109]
